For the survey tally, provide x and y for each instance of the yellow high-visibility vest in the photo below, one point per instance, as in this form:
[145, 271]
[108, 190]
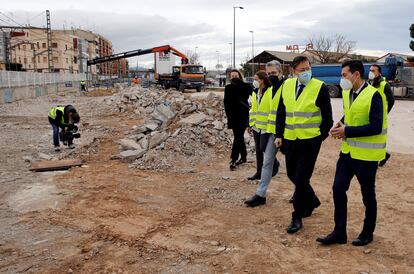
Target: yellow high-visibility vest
[259, 114]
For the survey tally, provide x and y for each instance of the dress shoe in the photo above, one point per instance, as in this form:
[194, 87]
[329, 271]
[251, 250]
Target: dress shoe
[331, 239]
[240, 161]
[362, 240]
[295, 225]
[232, 165]
[382, 162]
[255, 200]
[256, 176]
[308, 211]
[275, 168]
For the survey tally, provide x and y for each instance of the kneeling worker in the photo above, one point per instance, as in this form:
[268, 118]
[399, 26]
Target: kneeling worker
[63, 117]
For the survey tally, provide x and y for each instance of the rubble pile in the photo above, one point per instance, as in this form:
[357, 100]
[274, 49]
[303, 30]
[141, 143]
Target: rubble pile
[177, 127]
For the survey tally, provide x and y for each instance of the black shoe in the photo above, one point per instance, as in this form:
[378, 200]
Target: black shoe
[275, 168]
[240, 161]
[232, 165]
[331, 239]
[382, 162]
[308, 211]
[295, 225]
[256, 176]
[255, 200]
[362, 240]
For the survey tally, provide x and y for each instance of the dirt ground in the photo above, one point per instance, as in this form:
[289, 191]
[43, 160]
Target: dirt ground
[104, 217]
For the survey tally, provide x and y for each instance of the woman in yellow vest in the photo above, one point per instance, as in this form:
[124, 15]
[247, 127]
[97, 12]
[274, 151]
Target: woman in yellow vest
[264, 141]
[304, 118]
[62, 117]
[363, 131]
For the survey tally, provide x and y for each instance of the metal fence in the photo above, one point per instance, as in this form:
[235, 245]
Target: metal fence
[10, 79]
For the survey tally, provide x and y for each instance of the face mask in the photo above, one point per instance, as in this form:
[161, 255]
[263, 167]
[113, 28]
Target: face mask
[305, 77]
[274, 80]
[371, 75]
[235, 80]
[345, 84]
[256, 84]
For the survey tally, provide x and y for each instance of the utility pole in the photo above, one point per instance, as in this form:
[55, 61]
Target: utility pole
[234, 35]
[49, 42]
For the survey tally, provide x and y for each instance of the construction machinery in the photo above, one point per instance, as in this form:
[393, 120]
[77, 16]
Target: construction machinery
[185, 76]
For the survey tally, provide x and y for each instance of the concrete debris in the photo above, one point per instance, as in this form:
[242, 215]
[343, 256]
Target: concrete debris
[176, 128]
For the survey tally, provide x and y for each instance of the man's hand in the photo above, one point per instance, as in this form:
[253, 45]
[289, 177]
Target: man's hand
[249, 130]
[278, 142]
[338, 131]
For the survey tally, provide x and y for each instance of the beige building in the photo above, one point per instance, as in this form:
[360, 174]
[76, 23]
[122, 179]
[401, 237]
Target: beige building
[70, 51]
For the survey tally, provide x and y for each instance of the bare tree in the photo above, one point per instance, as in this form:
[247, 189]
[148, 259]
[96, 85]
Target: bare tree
[331, 49]
[193, 57]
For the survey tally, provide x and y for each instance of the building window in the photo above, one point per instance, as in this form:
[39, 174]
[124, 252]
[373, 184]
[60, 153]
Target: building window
[18, 47]
[67, 60]
[27, 34]
[44, 59]
[55, 59]
[25, 60]
[66, 47]
[33, 59]
[38, 46]
[24, 47]
[43, 45]
[20, 60]
[75, 59]
[54, 45]
[38, 59]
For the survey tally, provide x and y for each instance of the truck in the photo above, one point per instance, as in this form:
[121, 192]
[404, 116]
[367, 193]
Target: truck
[400, 77]
[167, 74]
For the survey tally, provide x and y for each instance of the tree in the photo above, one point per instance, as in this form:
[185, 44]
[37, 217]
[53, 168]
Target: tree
[331, 49]
[193, 57]
[411, 59]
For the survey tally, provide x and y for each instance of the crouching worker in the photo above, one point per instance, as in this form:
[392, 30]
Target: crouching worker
[64, 118]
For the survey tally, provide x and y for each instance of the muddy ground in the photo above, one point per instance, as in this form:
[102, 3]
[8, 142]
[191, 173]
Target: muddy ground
[104, 217]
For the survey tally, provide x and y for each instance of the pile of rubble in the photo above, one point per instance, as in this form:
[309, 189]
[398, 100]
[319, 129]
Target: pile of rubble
[177, 127]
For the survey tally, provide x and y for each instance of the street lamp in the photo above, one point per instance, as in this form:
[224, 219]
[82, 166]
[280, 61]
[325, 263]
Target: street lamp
[234, 34]
[218, 60]
[231, 54]
[252, 32]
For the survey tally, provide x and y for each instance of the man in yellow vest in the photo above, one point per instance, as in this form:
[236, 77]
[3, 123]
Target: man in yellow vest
[380, 83]
[363, 131]
[304, 117]
[62, 117]
[264, 141]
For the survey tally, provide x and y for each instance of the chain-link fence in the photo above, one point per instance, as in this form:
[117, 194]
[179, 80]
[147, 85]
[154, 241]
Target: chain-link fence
[10, 79]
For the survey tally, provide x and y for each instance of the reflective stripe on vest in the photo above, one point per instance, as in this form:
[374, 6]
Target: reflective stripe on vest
[258, 115]
[271, 125]
[367, 148]
[303, 117]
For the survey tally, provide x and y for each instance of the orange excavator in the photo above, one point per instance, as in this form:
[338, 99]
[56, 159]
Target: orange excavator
[185, 76]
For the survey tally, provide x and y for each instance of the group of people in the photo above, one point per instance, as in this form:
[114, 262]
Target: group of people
[294, 116]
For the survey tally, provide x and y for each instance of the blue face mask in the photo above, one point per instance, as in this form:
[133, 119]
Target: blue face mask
[305, 77]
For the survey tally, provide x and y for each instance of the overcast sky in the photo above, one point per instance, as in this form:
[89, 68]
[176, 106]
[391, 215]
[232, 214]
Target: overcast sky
[377, 26]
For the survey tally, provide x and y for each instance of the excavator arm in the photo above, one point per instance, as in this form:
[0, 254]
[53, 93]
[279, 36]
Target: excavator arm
[166, 49]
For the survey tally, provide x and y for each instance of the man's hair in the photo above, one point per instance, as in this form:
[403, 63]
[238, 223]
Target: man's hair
[299, 59]
[377, 66]
[275, 64]
[75, 117]
[354, 65]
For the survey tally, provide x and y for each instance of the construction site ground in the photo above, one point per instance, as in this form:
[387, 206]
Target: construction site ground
[105, 217]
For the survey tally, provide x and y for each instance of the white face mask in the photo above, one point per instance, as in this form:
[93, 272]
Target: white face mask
[256, 84]
[371, 75]
[345, 84]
